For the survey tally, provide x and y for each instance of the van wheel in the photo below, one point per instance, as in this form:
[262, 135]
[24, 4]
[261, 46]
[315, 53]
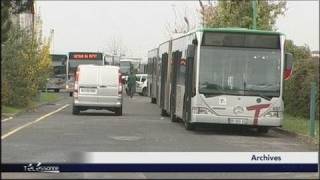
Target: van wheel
[119, 111]
[144, 92]
[70, 94]
[75, 110]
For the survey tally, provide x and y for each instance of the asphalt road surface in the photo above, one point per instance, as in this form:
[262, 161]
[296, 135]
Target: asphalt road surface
[38, 137]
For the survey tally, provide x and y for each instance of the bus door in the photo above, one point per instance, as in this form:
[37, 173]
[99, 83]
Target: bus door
[188, 83]
[176, 56]
[164, 70]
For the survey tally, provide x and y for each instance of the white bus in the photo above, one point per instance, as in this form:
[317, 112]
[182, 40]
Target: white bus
[223, 76]
[57, 80]
[77, 58]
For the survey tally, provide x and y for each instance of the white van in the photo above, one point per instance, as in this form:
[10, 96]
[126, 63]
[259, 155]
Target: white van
[97, 87]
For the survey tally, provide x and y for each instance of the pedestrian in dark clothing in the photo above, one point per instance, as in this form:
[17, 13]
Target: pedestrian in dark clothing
[131, 84]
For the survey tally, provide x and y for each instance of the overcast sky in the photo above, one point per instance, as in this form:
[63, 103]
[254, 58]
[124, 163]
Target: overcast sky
[140, 25]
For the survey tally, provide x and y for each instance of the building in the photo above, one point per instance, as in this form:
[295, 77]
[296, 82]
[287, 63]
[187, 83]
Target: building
[26, 19]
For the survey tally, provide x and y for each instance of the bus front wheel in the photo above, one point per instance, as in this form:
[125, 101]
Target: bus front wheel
[189, 126]
[263, 130]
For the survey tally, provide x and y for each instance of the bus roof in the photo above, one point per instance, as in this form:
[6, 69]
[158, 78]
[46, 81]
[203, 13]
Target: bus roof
[228, 29]
[58, 57]
[239, 30]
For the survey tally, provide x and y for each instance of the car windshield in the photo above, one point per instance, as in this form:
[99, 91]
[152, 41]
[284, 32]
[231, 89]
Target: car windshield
[239, 71]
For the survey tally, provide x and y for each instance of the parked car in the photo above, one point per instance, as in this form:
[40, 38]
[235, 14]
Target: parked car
[97, 87]
[142, 84]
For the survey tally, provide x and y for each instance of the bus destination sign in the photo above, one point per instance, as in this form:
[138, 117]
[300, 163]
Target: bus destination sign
[84, 55]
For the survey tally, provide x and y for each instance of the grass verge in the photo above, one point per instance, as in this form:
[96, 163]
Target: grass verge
[299, 125]
[45, 97]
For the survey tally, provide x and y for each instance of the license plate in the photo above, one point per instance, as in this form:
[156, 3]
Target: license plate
[237, 121]
[88, 90]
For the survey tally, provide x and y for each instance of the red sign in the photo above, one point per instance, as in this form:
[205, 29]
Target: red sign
[87, 56]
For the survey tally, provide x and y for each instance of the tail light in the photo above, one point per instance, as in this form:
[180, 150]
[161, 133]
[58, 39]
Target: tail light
[76, 84]
[120, 84]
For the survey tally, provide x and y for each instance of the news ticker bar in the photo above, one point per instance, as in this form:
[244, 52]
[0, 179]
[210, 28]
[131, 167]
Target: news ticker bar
[175, 162]
[198, 157]
[57, 168]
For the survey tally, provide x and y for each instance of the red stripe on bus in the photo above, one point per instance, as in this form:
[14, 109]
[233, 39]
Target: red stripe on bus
[257, 109]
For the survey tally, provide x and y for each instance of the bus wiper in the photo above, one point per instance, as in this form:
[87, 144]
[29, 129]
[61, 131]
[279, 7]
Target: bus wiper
[265, 97]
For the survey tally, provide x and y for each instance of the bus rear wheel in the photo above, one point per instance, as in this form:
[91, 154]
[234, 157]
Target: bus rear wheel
[153, 100]
[173, 117]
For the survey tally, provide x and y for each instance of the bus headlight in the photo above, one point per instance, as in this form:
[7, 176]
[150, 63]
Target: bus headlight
[272, 114]
[200, 110]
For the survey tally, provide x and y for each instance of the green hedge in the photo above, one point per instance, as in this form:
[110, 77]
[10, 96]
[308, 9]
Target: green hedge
[297, 89]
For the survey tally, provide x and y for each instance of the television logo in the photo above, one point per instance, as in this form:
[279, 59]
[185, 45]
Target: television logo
[38, 168]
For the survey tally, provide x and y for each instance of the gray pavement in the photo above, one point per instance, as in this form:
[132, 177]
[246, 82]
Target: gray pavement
[141, 128]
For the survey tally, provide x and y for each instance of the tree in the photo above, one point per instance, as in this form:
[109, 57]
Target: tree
[25, 64]
[9, 9]
[238, 13]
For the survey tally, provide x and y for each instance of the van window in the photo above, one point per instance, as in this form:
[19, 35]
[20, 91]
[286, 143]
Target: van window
[143, 79]
[108, 76]
[88, 75]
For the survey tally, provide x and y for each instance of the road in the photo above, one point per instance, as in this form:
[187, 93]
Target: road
[141, 128]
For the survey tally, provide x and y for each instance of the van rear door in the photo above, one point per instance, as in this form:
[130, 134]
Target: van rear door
[108, 84]
[88, 84]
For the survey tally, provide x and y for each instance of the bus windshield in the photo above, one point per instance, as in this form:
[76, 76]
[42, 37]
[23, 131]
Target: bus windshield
[125, 67]
[239, 71]
[59, 70]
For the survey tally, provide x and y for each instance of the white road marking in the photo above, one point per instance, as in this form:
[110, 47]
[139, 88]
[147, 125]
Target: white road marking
[33, 122]
[7, 119]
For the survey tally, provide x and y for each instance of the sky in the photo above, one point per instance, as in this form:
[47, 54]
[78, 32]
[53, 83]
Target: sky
[139, 26]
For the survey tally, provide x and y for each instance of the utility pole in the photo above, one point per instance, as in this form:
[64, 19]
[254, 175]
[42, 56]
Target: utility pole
[254, 14]
[187, 22]
[52, 40]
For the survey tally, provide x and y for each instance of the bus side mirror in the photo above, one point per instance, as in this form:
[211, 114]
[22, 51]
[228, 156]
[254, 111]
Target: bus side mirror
[190, 51]
[288, 66]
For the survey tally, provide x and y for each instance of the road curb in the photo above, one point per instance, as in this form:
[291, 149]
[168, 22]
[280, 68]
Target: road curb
[6, 115]
[301, 137]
